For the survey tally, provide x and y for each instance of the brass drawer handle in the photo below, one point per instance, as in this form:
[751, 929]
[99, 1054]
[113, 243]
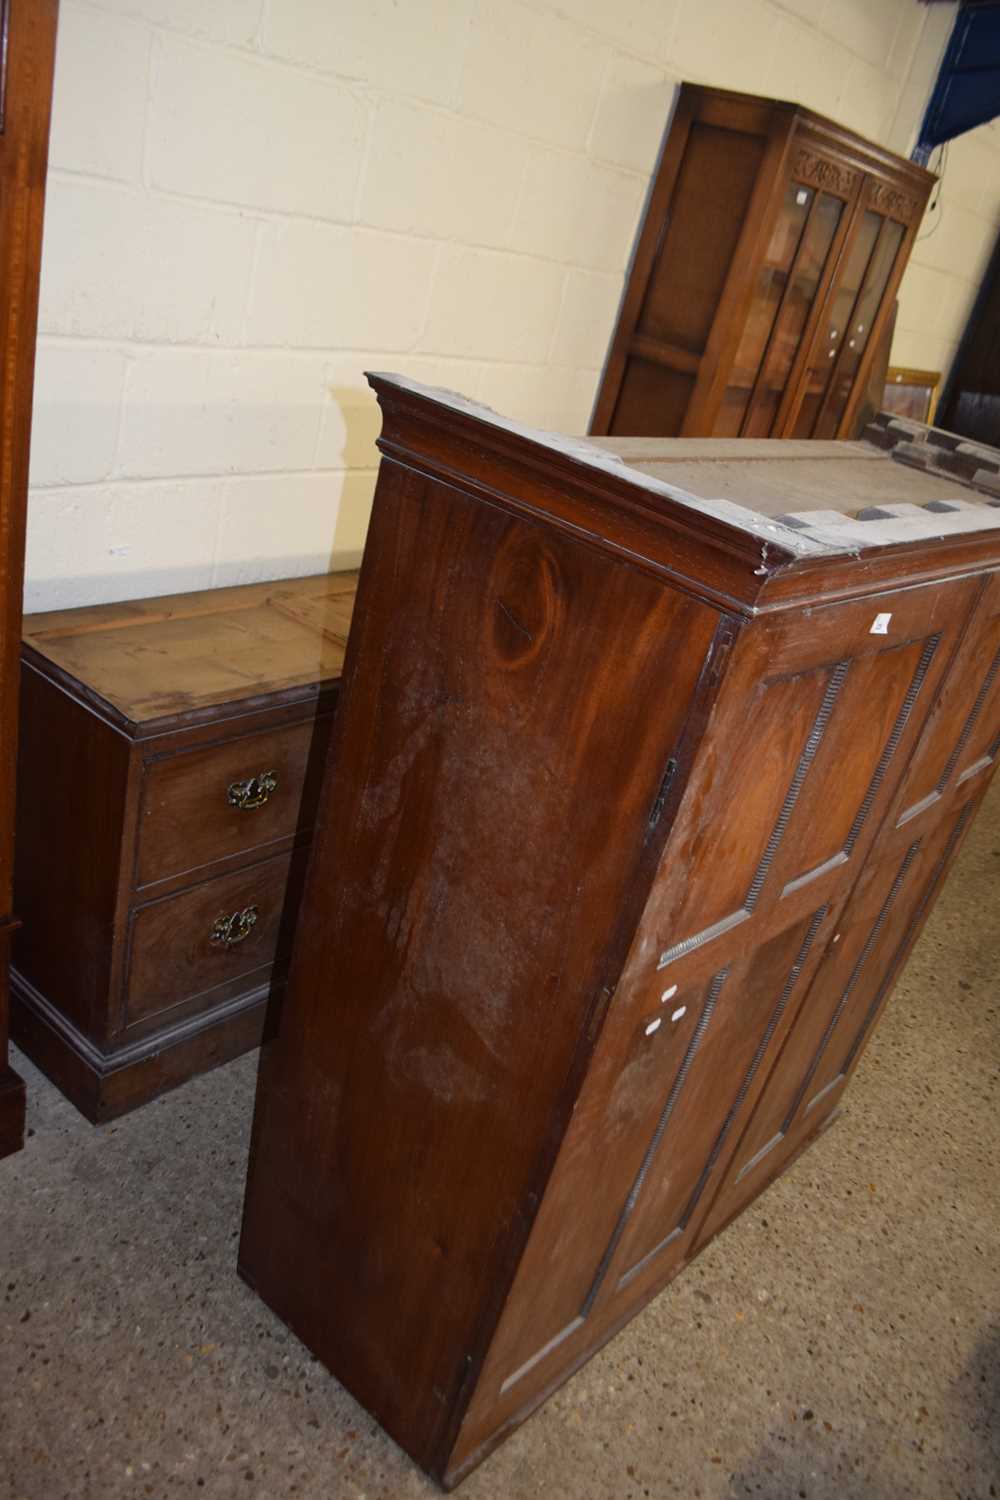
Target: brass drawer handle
[235, 928]
[253, 792]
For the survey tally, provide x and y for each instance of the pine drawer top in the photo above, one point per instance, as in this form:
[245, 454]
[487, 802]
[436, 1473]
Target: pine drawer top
[177, 654]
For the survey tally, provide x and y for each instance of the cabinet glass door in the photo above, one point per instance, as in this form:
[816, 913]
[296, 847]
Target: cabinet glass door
[784, 293]
[799, 295]
[858, 271]
[858, 332]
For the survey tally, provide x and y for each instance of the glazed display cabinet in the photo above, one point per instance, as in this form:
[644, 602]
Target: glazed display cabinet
[763, 277]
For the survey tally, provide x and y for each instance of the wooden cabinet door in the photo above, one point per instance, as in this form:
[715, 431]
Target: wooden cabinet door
[862, 960]
[798, 787]
[819, 712]
[960, 741]
[804, 245]
[821, 715]
[857, 304]
[945, 778]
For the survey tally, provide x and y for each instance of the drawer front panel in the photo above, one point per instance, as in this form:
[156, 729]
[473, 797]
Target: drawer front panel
[205, 805]
[201, 940]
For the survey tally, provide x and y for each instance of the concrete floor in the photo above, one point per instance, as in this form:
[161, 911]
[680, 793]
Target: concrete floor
[841, 1340]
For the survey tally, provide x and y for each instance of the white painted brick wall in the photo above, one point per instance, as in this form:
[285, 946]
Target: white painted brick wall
[138, 268]
[252, 201]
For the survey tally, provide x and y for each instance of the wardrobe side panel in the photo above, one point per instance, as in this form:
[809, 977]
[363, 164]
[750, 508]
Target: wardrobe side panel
[511, 702]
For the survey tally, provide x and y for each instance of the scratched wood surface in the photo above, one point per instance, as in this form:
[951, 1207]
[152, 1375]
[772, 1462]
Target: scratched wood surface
[133, 846]
[613, 882]
[27, 55]
[160, 657]
[850, 478]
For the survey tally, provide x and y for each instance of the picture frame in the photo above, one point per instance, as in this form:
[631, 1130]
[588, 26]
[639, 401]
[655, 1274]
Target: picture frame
[911, 393]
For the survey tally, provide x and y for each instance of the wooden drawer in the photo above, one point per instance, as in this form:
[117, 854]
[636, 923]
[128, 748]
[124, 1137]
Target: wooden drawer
[179, 948]
[131, 847]
[205, 805]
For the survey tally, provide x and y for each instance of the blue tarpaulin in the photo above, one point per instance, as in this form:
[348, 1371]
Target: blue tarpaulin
[967, 92]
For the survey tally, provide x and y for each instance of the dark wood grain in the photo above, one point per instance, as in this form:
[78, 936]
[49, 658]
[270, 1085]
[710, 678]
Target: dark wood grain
[130, 848]
[694, 335]
[612, 881]
[103, 1085]
[177, 954]
[188, 817]
[29, 33]
[477, 920]
[163, 660]
[71, 832]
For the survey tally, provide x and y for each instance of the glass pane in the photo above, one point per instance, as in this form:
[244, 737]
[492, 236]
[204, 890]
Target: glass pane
[763, 309]
[831, 337]
[799, 298]
[865, 312]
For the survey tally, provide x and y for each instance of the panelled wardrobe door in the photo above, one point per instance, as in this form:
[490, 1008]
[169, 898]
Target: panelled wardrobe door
[770, 844]
[932, 807]
[863, 958]
[962, 737]
[27, 52]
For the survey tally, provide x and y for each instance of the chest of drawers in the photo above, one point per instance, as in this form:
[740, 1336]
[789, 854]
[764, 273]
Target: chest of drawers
[169, 761]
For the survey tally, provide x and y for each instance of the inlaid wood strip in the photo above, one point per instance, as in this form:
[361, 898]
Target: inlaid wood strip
[792, 980]
[914, 923]
[758, 1157]
[970, 722]
[540, 1354]
[892, 743]
[856, 972]
[698, 939]
[833, 863]
[812, 744]
[794, 974]
[704, 1021]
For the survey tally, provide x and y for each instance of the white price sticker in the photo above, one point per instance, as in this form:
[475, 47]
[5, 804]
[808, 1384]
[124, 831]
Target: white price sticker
[880, 625]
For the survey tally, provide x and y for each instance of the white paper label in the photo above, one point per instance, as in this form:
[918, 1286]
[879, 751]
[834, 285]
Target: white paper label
[880, 625]
[802, 196]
